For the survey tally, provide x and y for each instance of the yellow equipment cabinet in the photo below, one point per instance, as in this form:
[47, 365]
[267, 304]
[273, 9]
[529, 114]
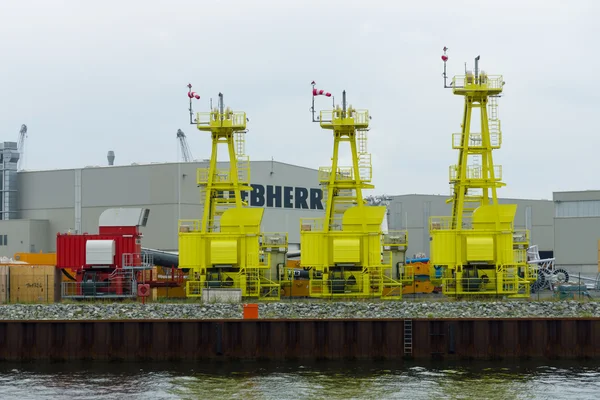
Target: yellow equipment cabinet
[345, 251]
[226, 249]
[480, 251]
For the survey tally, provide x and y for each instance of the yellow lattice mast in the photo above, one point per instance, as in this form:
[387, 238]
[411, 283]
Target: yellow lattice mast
[226, 249]
[478, 247]
[344, 249]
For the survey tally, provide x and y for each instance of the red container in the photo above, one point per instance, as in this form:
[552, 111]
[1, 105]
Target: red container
[70, 249]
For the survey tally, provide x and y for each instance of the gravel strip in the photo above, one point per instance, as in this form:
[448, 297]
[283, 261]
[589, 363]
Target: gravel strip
[324, 310]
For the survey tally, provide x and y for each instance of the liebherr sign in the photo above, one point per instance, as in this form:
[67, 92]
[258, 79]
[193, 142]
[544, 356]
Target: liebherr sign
[284, 197]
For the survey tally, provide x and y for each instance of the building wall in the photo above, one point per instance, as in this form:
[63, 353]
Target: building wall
[577, 230]
[412, 212]
[55, 196]
[24, 236]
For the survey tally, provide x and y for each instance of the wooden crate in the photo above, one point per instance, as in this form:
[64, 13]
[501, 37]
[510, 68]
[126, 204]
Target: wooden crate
[4, 274]
[34, 284]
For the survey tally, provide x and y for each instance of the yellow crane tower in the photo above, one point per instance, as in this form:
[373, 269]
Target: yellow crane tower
[226, 248]
[478, 247]
[345, 252]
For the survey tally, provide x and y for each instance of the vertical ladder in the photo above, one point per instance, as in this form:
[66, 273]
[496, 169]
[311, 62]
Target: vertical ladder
[364, 158]
[493, 121]
[239, 144]
[408, 337]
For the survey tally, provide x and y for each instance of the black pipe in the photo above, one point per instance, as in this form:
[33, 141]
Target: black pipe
[162, 258]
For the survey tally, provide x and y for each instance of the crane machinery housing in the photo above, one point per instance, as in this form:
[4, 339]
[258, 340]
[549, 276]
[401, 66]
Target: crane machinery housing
[346, 252]
[226, 248]
[478, 247]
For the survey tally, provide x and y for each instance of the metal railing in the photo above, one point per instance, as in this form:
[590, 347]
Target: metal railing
[189, 225]
[120, 285]
[520, 256]
[342, 174]
[483, 285]
[346, 174]
[250, 281]
[445, 223]
[368, 282]
[318, 224]
[224, 175]
[395, 239]
[476, 141]
[475, 172]
[521, 237]
[359, 118]
[273, 239]
[483, 81]
[231, 119]
[137, 260]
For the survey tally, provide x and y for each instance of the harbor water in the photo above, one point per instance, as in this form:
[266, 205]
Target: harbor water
[316, 380]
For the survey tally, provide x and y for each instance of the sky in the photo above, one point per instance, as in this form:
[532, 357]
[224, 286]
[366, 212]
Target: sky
[88, 77]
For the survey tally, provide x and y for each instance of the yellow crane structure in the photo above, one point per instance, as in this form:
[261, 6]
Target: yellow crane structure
[226, 248]
[345, 251]
[478, 247]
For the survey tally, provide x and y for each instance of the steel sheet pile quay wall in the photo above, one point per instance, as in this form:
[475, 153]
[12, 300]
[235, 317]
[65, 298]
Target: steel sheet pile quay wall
[447, 339]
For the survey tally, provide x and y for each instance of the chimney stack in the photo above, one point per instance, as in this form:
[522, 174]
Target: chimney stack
[111, 157]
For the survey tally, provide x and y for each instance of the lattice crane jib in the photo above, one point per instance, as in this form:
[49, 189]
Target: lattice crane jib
[344, 248]
[186, 153]
[226, 248]
[481, 251]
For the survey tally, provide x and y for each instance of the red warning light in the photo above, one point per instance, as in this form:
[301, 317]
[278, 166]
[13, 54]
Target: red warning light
[444, 58]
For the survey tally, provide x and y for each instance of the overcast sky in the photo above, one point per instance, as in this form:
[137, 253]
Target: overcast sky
[92, 76]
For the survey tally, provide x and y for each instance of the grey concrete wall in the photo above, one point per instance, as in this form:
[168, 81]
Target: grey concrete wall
[24, 236]
[412, 212]
[51, 195]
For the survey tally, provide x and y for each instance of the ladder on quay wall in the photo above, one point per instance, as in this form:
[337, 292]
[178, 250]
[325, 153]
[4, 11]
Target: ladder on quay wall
[408, 338]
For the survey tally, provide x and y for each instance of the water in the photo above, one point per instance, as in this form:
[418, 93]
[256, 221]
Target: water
[253, 380]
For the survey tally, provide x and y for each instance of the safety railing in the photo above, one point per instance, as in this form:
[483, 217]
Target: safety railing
[506, 284]
[482, 82]
[407, 274]
[476, 172]
[317, 224]
[119, 286]
[520, 256]
[137, 261]
[521, 237]
[342, 174]
[365, 168]
[475, 140]
[190, 225]
[395, 239]
[269, 290]
[231, 119]
[357, 118]
[446, 223]
[223, 175]
[352, 285]
[273, 239]
[311, 224]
